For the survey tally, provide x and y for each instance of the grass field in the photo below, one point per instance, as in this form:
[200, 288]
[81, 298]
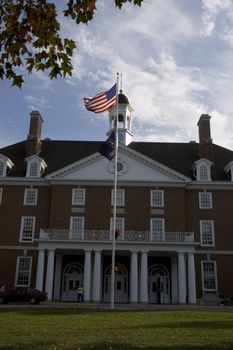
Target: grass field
[74, 329]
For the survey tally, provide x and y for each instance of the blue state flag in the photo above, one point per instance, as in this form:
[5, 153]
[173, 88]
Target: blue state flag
[108, 148]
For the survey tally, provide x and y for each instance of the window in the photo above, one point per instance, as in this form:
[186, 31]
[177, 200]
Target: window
[229, 170]
[202, 169]
[205, 200]
[33, 169]
[207, 232]
[157, 198]
[5, 165]
[76, 227]
[203, 173]
[30, 196]
[157, 225]
[1, 195]
[157, 229]
[120, 198]
[120, 228]
[27, 228]
[1, 168]
[78, 196]
[23, 271]
[209, 276]
[35, 166]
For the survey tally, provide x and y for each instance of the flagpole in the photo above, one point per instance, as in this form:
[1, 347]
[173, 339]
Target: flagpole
[114, 199]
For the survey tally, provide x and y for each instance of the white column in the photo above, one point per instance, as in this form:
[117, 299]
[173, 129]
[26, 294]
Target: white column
[87, 275]
[134, 277]
[50, 273]
[144, 278]
[182, 278]
[57, 277]
[40, 269]
[191, 279]
[174, 280]
[97, 276]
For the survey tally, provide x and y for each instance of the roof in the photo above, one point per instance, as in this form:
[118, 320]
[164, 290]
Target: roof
[122, 99]
[177, 156]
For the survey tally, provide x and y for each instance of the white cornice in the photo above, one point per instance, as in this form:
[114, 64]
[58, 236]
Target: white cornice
[17, 247]
[24, 181]
[214, 252]
[227, 185]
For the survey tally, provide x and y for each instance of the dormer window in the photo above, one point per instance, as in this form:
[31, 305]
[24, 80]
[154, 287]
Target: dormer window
[33, 172]
[35, 166]
[229, 169]
[204, 176]
[202, 170]
[1, 168]
[5, 165]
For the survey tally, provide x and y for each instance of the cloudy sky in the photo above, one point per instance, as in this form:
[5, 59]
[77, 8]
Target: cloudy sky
[176, 57]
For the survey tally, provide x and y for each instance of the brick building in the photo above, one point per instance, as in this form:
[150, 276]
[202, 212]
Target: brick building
[174, 214]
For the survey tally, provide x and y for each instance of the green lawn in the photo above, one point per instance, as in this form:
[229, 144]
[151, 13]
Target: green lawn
[73, 329]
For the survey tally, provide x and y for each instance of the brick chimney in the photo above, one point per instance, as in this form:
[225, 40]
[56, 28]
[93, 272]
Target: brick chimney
[33, 145]
[205, 141]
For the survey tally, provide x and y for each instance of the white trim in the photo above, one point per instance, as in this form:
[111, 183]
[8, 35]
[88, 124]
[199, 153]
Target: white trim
[208, 194]
[124, 149]
[77, 233]
[46, 182]
[41, 165]
[215, 275]
[203, 163]
[154, 205]
[82, 202]
[22, 227]
[229, 168]
[26, 191]
[120, 224]
[29, 271]
[162, 232]
[120, 197]
[7, 163]
[212, 232]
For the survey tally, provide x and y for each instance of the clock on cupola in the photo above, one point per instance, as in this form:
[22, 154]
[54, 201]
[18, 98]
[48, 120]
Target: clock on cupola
[125, 135]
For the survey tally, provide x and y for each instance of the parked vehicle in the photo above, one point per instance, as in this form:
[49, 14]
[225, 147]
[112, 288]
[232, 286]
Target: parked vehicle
[19, 294]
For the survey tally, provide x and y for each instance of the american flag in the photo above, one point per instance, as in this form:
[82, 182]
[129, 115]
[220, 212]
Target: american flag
[101, 102]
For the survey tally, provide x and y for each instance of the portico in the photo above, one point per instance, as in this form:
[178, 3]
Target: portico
[144, 273]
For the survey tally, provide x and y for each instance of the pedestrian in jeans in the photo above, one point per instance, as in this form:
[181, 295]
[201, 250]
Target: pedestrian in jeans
[80, 294]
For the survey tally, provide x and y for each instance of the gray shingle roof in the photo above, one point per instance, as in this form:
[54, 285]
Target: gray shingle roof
[177, 156]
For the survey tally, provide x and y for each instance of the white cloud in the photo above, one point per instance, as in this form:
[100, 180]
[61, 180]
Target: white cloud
[148, 45]
[171, 73]
[35, 103]
[212, 10]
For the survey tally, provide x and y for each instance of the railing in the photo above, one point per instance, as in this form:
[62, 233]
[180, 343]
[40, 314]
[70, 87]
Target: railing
[105, 235]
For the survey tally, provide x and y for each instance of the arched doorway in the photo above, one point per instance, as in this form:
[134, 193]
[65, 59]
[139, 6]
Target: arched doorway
[159, 285]
[121, 284]
[72, 277]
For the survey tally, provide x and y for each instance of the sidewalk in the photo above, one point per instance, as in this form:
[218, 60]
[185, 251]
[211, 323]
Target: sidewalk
[126, 307]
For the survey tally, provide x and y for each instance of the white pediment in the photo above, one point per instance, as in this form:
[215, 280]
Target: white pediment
[133, 166]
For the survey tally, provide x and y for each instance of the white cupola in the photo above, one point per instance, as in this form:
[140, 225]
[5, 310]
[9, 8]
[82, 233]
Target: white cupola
[125, 134]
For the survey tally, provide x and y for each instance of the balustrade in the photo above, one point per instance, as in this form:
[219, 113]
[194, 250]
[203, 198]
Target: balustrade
[104, 235]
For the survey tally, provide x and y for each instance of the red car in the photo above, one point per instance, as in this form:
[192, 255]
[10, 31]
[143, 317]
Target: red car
[22, 294]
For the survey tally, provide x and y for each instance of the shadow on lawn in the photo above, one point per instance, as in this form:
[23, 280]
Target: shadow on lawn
[117, 346]
[184, 324]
